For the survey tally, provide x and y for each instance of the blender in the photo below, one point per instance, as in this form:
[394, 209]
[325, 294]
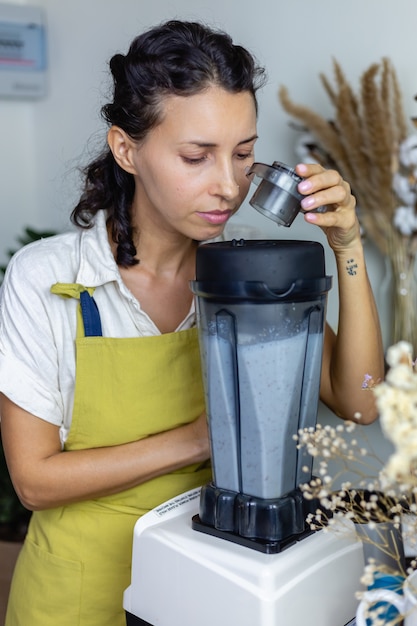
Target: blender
[261, 337]
[238, 551]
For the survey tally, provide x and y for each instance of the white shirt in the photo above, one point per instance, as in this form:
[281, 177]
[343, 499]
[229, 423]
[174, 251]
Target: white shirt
[38, 329]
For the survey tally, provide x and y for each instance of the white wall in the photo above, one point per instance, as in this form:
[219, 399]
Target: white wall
[42, 143]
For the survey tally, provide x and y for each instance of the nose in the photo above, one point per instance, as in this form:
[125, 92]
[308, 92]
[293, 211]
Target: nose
[225, 182]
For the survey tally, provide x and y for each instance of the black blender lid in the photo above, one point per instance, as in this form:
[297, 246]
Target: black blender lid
[273, 262]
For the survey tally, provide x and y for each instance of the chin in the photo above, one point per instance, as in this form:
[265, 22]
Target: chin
[211, 234]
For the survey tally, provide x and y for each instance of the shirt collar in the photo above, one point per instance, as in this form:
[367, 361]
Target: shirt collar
[97, 263]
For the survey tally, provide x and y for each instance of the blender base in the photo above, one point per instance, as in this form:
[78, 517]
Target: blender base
[262, 545]
[181, 577]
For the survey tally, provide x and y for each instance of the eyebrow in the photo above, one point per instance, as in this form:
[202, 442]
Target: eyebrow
[204, 144]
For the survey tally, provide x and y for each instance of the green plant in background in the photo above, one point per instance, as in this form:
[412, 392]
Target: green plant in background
[14, 517]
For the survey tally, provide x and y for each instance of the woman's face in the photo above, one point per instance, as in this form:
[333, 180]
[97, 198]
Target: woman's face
[190, 171]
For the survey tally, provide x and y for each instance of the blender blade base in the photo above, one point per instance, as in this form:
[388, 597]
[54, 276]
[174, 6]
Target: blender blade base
[268, 525]
[262, 545]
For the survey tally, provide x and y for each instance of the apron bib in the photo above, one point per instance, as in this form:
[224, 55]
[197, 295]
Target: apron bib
[76, 559]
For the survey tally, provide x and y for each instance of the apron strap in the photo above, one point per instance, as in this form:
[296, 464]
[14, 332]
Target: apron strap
[89, 315]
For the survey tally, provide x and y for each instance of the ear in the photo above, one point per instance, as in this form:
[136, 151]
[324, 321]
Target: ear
[121, 146]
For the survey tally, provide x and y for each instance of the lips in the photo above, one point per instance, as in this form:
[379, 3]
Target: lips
[215, 217]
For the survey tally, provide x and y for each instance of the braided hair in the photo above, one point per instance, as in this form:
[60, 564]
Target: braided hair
[175, 58]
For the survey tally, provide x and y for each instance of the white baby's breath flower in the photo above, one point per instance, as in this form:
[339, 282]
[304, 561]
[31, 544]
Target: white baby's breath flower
[369, 499]
[399, 377]
[397, 352]
[350, 427]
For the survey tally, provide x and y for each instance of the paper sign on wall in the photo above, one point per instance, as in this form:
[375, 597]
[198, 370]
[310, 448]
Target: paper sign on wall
[23, 62]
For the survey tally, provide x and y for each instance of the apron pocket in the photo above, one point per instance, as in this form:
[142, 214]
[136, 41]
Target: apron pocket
[46, 589]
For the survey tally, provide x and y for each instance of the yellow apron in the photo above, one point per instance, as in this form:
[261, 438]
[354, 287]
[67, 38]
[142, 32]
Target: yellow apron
[76, 559]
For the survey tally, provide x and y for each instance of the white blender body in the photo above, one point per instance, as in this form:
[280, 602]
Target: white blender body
[181, 577]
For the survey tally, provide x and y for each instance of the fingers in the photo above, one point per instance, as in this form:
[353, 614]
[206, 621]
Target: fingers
[323, 188]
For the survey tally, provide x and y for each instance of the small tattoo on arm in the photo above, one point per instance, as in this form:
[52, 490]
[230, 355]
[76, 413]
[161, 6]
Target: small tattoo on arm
[351, 267]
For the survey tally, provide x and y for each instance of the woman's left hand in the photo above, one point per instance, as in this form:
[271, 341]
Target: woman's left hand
[326, 188]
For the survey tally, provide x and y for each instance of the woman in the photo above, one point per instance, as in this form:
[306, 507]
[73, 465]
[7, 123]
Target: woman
[102, 407]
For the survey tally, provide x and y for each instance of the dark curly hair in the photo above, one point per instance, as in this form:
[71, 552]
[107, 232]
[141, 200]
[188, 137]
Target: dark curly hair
[174, 58]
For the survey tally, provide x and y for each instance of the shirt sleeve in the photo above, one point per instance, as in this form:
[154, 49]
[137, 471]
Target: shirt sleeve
[28, 354]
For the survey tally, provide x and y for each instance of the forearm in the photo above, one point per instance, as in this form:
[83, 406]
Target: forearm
[86, 474]
[44, 476]
[357, 349]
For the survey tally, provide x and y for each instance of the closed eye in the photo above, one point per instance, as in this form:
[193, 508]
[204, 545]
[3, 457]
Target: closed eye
[194, 161]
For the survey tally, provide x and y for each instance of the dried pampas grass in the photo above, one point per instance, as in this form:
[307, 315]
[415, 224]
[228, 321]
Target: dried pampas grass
[362, 140]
